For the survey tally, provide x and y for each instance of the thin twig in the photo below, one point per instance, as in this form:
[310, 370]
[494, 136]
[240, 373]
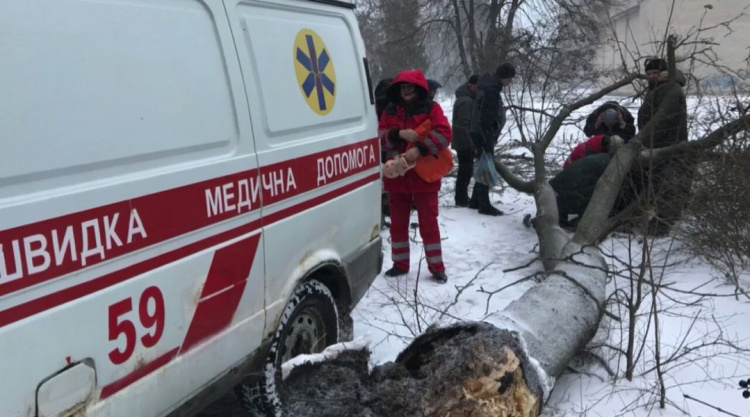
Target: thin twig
[709, 405]
[524, 266]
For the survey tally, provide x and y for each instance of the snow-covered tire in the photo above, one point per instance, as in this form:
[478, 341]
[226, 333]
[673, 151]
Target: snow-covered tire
[310, 311]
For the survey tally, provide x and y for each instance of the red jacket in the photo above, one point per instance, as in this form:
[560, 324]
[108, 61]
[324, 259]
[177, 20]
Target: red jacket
[592, 146]
[396, 117]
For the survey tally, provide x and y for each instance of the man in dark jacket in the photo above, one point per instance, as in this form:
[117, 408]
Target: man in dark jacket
[433, 86]
[381, 102]
[662, 122]
[610, 119]
[486, 126]
[662, 118]
[463, 109]
[381, 96]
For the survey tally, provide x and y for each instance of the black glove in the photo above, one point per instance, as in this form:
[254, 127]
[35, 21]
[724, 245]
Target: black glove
[393, 136]
[489, 148]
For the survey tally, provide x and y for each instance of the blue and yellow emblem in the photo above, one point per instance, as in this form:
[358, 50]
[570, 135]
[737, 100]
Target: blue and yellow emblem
[315, 74]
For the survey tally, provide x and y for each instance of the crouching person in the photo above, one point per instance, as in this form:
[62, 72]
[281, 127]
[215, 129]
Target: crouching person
[575, 184]
[410, 106]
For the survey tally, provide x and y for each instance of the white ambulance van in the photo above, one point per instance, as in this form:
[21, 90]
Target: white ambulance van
[189, 195]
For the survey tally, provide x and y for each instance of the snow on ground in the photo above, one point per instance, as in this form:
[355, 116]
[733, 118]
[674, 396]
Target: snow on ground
[700, 333]
[476, 249]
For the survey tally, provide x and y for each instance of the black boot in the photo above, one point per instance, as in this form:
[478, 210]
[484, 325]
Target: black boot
[490, 211]
[395, 272]
[529, 221]
[474, 201]
[463, 176]
[440, 277]
[483, 199]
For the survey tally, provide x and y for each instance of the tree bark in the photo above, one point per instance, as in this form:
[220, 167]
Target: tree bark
[458, 28]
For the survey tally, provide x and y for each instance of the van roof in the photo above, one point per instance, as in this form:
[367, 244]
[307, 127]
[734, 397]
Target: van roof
[349, 4]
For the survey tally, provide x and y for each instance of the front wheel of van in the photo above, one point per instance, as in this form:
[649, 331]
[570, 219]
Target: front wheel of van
[309, 324]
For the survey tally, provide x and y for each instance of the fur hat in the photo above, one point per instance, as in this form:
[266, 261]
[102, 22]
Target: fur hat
[506, 70]
[655, 64]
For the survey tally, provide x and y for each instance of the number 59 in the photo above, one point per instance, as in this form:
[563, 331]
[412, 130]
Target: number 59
[150, 319]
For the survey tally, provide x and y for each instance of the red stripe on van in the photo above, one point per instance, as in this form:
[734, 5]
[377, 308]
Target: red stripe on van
[221, 294]
[139, 373]
[47, 302]
[42, 251]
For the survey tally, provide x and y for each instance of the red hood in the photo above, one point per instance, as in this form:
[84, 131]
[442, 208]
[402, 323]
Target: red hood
[413, 76]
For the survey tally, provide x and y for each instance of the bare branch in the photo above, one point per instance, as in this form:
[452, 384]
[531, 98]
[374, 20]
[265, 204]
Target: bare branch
[709, 405]
[531, 110]
[709, 141]
[513, 180]
[590, 99]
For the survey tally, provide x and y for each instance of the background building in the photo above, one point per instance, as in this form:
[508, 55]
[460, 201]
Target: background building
[640, 26]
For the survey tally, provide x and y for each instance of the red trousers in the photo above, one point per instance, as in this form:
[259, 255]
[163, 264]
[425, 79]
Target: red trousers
[427, 213]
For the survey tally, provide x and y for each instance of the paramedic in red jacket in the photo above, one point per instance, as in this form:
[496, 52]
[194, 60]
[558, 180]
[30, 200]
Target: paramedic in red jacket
[594, 145]
[410, 105]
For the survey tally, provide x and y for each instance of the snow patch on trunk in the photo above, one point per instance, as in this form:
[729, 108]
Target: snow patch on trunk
[330, 353]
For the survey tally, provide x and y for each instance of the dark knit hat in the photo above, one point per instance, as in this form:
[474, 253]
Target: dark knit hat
[474, 79]
[433, 85]
[656, 64]
[506, 70]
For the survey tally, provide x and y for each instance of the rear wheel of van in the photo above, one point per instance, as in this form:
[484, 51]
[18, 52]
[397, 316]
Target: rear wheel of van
[309, 324]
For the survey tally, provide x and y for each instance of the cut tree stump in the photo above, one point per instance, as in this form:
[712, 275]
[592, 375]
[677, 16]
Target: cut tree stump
[467, 369]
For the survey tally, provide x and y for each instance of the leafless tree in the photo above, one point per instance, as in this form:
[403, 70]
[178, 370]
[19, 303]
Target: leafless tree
[463, 37]
[393, 36]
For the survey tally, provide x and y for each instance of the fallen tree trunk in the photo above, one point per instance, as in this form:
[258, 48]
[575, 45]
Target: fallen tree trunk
[505, 367]
[467, 369]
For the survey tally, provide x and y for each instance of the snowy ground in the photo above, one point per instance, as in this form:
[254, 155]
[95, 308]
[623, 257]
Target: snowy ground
[702, 334]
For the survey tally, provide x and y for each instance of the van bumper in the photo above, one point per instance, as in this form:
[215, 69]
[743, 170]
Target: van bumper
[362, 267]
